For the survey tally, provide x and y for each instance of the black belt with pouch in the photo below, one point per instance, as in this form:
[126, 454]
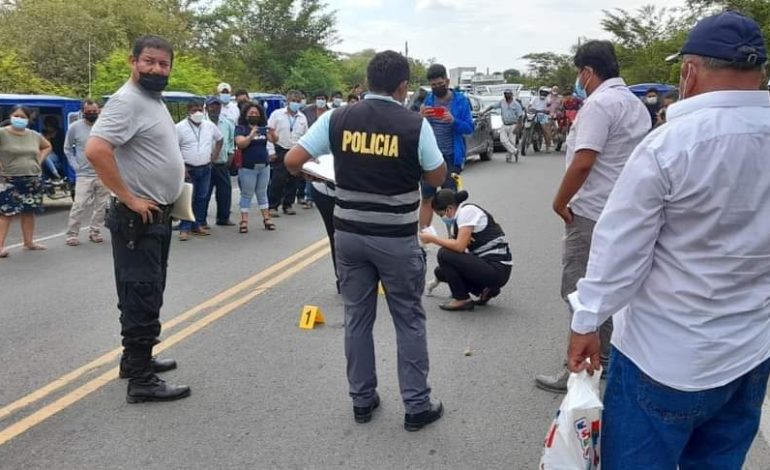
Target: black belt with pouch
[130, 224]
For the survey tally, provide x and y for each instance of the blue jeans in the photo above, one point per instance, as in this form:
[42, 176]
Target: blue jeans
[648, 425]
[221, 185]
[200, 177]
[427, 191]
[254, 182]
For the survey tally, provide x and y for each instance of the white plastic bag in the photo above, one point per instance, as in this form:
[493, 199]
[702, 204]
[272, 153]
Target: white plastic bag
[573, 441]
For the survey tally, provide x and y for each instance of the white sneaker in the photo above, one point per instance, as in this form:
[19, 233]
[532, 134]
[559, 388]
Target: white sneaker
[431, 285]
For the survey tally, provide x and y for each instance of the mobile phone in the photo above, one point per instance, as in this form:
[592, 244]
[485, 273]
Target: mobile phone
[439, 112]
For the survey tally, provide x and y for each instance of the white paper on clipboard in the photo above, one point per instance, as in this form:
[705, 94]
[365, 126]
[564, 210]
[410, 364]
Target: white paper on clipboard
[322, 168]
[182, 209]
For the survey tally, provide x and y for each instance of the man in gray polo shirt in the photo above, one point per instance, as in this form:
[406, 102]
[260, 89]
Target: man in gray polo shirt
[133, 148]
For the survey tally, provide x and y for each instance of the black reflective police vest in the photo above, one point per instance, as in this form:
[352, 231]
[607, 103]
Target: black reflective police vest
[489, 244]
[377, 170]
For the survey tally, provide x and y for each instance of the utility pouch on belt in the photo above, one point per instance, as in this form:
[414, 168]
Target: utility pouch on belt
[126, 222]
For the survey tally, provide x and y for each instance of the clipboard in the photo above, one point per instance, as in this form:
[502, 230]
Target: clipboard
[182, 207]
[322, 168]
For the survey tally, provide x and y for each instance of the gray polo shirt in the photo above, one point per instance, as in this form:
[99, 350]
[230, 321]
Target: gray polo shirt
[140, 127]
[75, 148]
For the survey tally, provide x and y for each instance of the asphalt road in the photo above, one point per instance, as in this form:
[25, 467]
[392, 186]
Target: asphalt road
[266, 394]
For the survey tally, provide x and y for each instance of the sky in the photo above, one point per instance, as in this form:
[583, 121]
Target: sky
[480, 33]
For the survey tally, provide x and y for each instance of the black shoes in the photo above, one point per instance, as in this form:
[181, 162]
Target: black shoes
[363, 414]
[486, 295]
[154, 388]
[157, 365]
[466, 306]
[415, 422]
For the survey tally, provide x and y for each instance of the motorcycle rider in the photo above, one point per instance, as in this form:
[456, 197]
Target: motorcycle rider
[539, 104]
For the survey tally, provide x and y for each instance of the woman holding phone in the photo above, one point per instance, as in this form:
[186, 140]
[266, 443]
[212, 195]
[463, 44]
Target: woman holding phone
[251, 137]
[476, 259]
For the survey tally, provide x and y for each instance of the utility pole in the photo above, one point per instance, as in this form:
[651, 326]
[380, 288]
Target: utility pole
[406, 49]
[89, 70]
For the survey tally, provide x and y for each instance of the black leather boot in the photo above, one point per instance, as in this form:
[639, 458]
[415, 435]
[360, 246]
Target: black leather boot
[153, 388]
[417, 421]
[156, 365]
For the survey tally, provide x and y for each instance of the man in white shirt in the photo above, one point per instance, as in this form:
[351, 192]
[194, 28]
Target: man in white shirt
[201, 143]
[230, 108]
[607, 129]
[288, 124]
[683, 247]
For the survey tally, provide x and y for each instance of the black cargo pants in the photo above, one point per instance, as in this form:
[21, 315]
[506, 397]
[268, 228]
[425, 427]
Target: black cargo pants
[140, 253]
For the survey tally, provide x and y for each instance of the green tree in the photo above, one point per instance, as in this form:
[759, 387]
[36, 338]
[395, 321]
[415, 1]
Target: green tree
[57, 34]
[18, 76]
[512, 75]
[188, 74]
[549, 68]
[266, 36]
[314, 71]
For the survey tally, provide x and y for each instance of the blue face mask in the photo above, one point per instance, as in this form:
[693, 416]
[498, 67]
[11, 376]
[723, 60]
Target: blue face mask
[225, 98]
[295, 107]
[19, 123]
[448, 220]
[580, 91]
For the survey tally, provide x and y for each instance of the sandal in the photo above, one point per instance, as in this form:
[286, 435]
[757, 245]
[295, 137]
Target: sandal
[35, 247]
[72, 241]
[95, 237]
[4, 254]
[269, 225]
[243, 227]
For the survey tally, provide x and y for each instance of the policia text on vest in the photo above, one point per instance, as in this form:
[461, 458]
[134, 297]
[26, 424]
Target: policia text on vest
[364, 143]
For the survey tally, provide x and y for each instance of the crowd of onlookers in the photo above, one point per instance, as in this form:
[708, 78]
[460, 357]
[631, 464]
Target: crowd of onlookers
[226, 135]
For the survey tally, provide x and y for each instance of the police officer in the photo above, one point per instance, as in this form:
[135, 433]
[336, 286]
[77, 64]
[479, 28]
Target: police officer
[381, 152]
[133, 148]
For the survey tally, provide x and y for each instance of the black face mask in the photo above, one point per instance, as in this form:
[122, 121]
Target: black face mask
[153, 82]
[441, 91]
[254, 121]
[90, 117]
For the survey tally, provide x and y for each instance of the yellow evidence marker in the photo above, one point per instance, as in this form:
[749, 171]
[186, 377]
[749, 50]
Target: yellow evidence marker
[311, 316]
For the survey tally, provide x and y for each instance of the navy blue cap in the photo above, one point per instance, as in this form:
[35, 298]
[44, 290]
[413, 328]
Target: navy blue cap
[213, 100]
[729, 36]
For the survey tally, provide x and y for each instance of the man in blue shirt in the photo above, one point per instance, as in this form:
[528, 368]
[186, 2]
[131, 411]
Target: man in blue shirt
[381, 152]
[449, 114]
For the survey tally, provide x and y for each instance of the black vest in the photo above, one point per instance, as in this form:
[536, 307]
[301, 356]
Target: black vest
[490, 243]
[377, 169]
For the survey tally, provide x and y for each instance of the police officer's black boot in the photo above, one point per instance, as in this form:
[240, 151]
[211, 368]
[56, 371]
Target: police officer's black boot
[157, 365]
[144, 385]
[417, 421]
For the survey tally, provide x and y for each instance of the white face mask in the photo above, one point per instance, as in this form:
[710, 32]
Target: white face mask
[337, 102]
[320, 103]
[651, 100]
[197, 117]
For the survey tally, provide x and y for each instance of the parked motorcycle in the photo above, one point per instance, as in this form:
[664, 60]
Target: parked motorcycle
[532, 133]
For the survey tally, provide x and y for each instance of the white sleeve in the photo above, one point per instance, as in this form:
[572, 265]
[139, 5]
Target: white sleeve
[470, 216]
[623, 242]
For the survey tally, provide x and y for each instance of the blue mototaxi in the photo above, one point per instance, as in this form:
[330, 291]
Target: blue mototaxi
[47, 108]
[641, 89]
[269, 101]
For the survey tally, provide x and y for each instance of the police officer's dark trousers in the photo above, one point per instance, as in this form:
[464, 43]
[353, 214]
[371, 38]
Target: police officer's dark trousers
[283, 186]
[140, 252]
[362, 261]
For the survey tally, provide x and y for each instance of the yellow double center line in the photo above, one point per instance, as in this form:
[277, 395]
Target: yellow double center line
[255, 285]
